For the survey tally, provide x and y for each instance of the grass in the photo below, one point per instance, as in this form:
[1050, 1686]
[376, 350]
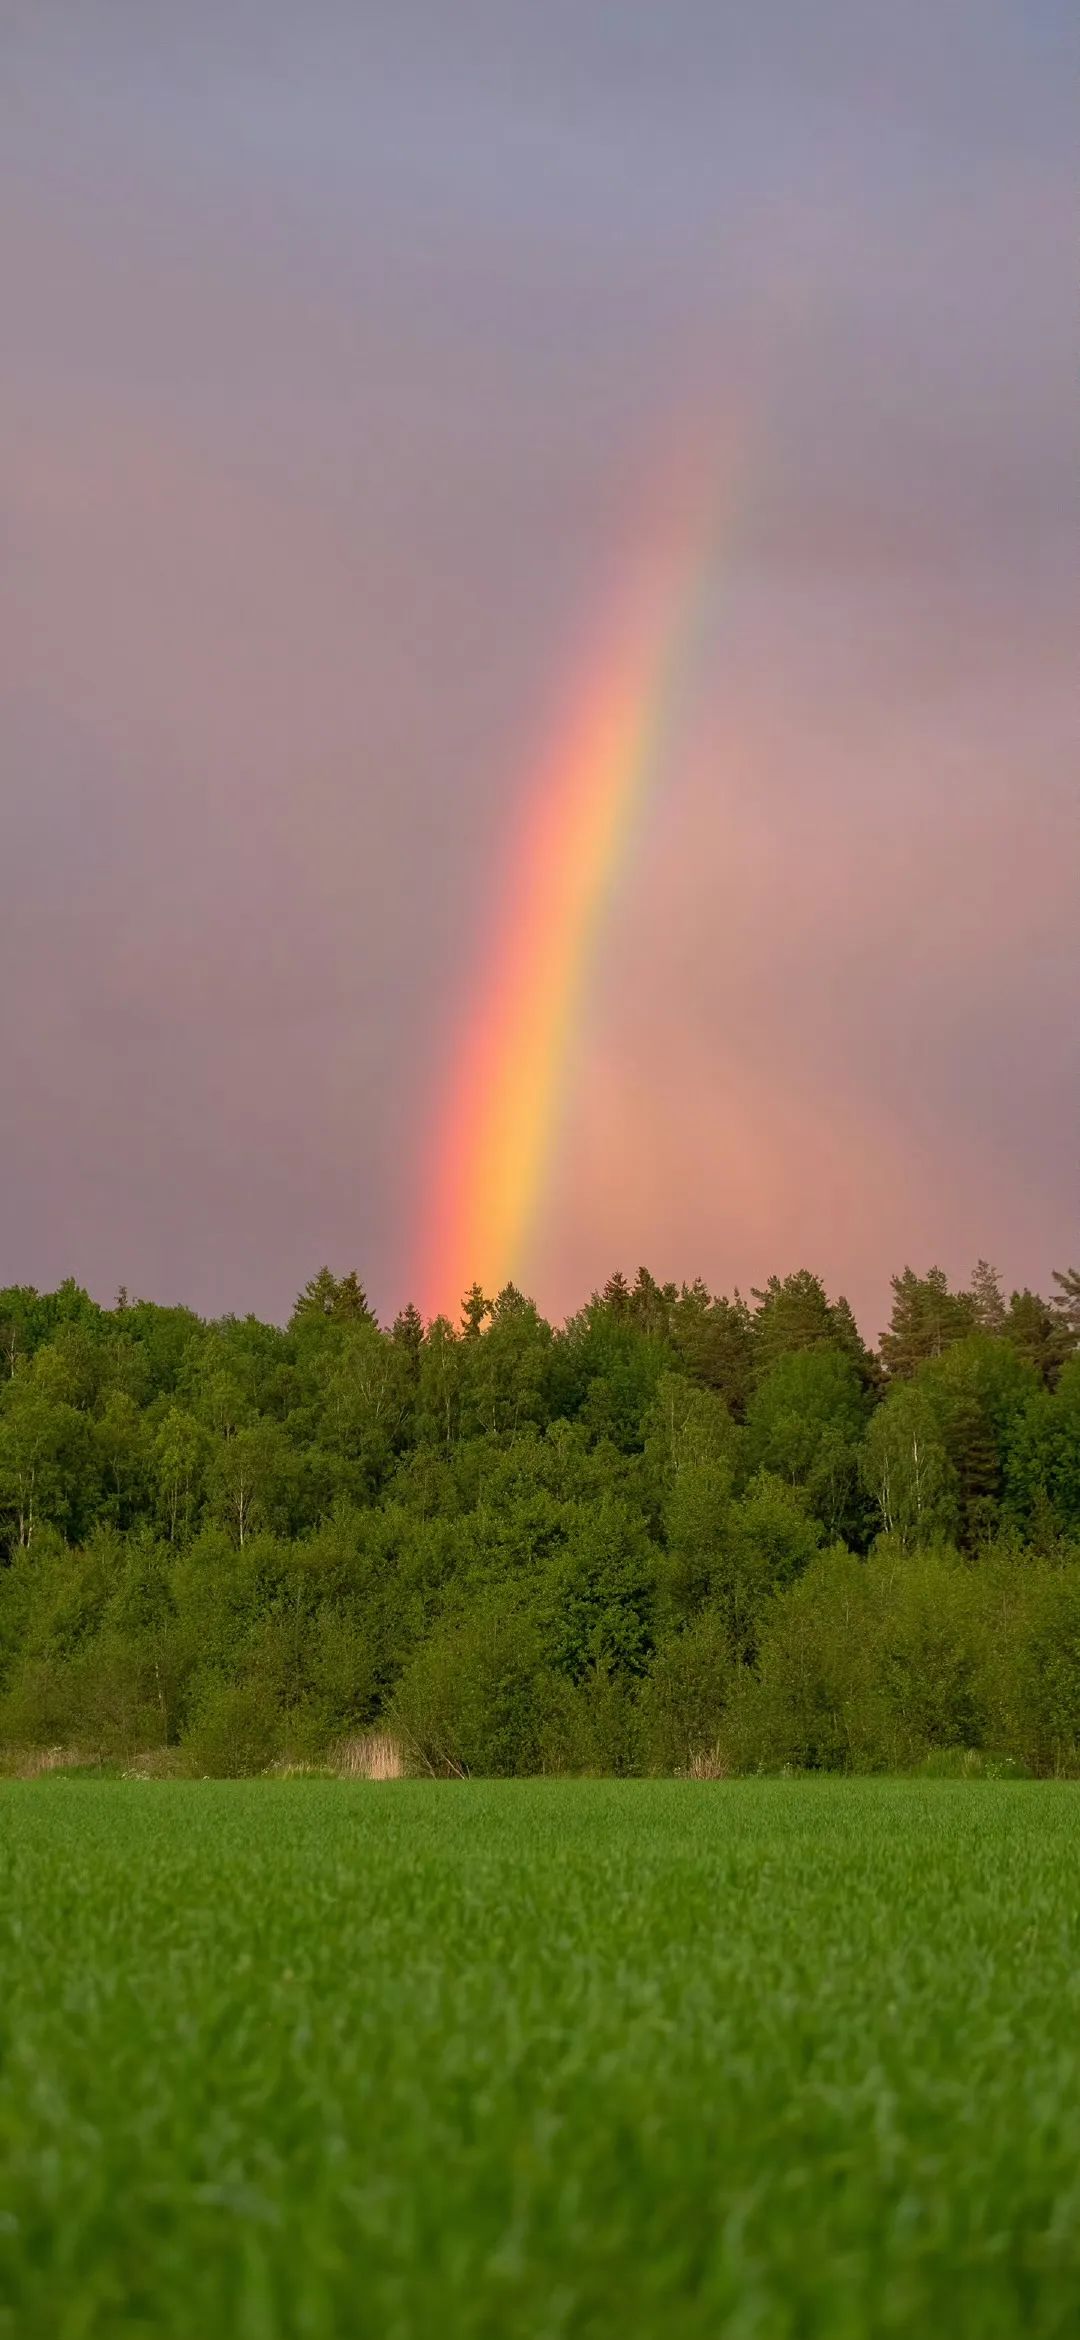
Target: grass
[768, 2060]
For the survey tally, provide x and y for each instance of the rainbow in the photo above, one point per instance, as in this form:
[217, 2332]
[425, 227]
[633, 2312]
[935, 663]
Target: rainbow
[498, 1122]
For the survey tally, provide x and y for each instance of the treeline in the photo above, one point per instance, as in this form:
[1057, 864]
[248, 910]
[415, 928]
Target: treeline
[682, 1532]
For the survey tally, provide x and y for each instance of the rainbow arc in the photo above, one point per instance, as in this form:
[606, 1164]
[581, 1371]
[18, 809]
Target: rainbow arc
[498, 1120]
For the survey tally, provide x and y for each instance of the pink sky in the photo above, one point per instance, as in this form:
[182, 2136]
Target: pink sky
[333, 367]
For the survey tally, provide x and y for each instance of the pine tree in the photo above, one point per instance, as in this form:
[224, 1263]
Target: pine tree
[1066, 1305]
[972, 1449]
[1035, 1333]
[651, 1303]
[987, 1298]
[847, 1337]
[352, 1301]
[408, 1329]
[715, 1342]
[475, 1308]
[926, 1319]
[343, 1302]
[794, 1313]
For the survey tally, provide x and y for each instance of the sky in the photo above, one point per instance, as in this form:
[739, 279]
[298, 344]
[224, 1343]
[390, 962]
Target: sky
[346, 352]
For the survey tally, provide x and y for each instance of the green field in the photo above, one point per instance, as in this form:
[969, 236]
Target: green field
[427, 2062]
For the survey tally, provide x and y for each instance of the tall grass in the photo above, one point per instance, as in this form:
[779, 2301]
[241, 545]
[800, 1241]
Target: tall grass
[370, 1755]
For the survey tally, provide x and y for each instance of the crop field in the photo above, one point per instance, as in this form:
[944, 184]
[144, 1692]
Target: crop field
[458, 2062]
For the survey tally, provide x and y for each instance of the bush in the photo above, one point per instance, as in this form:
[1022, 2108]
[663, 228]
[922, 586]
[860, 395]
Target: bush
[39, 1707]
[590, 1728]
[685, 1699]
[817, 1700]
[477, 1696]
[235, 1730]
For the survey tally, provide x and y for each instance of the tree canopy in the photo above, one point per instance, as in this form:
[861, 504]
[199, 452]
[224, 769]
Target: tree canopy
[680, 1522]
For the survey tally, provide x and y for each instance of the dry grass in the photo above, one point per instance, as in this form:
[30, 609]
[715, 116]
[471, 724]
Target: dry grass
[708, 1763]
[155, 1763]
[34, 1762]
[370, 1755]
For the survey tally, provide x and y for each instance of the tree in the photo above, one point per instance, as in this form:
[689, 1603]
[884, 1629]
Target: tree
[438, 1405]
[1066, 1305]
[848, 1339]
[252, 1479]
[907, 1469]
[987, 1298]
[598, 1599]
[46, 1463]
[650, 1304]
[926, 1318]
[1052, 1705]
[794, 1313]
[132, 1674]
[578, 1550]
[685, 1426]
[977, 1390]
[19, 1313]
[363, 1392]
[178, 1463]
[119, 1436]
[408, 1331]
[805, 1423]
[504, 1375]
[699, 1566]
[332, 1300]
[475, 1310]
[1035, 1332]
[1042, 1464]
[715, 1343]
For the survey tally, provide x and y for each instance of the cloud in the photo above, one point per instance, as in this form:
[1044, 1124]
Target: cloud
[339, 355]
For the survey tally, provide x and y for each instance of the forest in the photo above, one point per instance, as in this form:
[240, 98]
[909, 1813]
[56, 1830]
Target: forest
[680, 1534]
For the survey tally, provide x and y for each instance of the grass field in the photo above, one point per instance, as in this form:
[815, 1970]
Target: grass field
[428, 2062]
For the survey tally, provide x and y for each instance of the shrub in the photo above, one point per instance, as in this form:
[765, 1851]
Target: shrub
[685, 1697]
[816, 1701]
[235, 1730]
[476, 1696]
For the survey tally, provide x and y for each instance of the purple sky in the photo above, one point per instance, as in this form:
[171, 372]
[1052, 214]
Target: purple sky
[338, 342]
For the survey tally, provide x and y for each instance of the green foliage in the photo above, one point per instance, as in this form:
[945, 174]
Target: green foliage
[907, 1469]
[714, 1341]
[685, 1700]
[1043, 1460]
[475, 1697]
[598, 1593]
[805, 1424]
[330, 1299]
[1065, 1303]
[583, 1549]
[1036, 1334]
[926, 1318]
[815, 1700]
[235, 1729]
[794, 1314]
